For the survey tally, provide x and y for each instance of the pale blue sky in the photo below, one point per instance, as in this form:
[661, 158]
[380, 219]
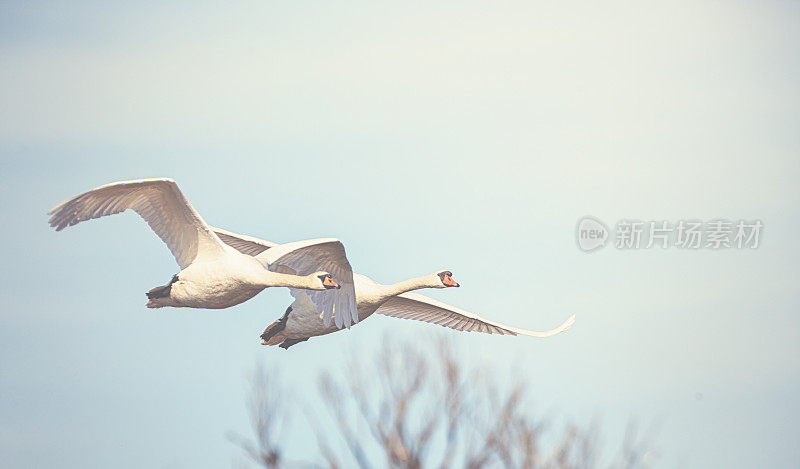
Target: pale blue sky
[457, 136]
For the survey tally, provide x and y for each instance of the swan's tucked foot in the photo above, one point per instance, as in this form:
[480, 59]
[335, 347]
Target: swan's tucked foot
[160, 292]
[271, 333]
[289, 342]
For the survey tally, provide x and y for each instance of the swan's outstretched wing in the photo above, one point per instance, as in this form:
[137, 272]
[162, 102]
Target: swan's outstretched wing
[159, 202]
[307, 257]
[422, 308]
[243, 243]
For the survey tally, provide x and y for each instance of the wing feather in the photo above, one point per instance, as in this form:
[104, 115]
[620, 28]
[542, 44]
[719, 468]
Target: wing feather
[307, 257]
[159, 202]
[245, 244]
[421, 308]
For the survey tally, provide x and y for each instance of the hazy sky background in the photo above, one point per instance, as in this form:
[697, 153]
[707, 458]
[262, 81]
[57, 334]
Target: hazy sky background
[461, 135]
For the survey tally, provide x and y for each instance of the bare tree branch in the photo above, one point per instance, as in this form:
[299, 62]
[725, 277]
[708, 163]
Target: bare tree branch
[407, 402]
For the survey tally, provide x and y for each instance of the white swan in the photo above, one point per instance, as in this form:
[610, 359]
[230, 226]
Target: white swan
[299, 323]
[213, 274]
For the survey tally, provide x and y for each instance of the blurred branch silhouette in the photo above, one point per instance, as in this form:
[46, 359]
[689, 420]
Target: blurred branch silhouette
[263, 406]
[406, 409]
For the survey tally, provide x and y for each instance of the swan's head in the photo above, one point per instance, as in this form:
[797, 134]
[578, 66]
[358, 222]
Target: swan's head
[445, 279]
[326, 281]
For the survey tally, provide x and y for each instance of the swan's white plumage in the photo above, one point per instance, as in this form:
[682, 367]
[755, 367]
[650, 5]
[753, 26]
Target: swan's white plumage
[307, 257]
[243, 243]
[331, 257]
[208, 264]
[421, 308]
[160, 203]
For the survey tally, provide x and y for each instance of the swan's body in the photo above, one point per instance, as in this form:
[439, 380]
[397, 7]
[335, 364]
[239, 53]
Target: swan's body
[222, 283]
[218, 284]
[397, 300]
[215, 275]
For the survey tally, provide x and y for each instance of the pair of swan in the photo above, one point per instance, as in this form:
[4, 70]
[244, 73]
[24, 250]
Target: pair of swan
[220, 269]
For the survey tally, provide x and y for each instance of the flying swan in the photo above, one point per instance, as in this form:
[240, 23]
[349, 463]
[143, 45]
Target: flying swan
[213, 274]
[299, 323]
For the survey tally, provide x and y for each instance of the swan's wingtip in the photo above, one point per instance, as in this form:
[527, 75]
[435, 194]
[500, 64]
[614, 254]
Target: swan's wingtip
[57, 207]
[354, 318]
[568, 323]
[55, 224]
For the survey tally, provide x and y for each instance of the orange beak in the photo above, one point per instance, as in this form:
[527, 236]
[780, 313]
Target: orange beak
[330, 283]
[448, 280]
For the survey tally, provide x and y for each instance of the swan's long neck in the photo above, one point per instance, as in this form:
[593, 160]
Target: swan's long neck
[274, 279]
[407, 286]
